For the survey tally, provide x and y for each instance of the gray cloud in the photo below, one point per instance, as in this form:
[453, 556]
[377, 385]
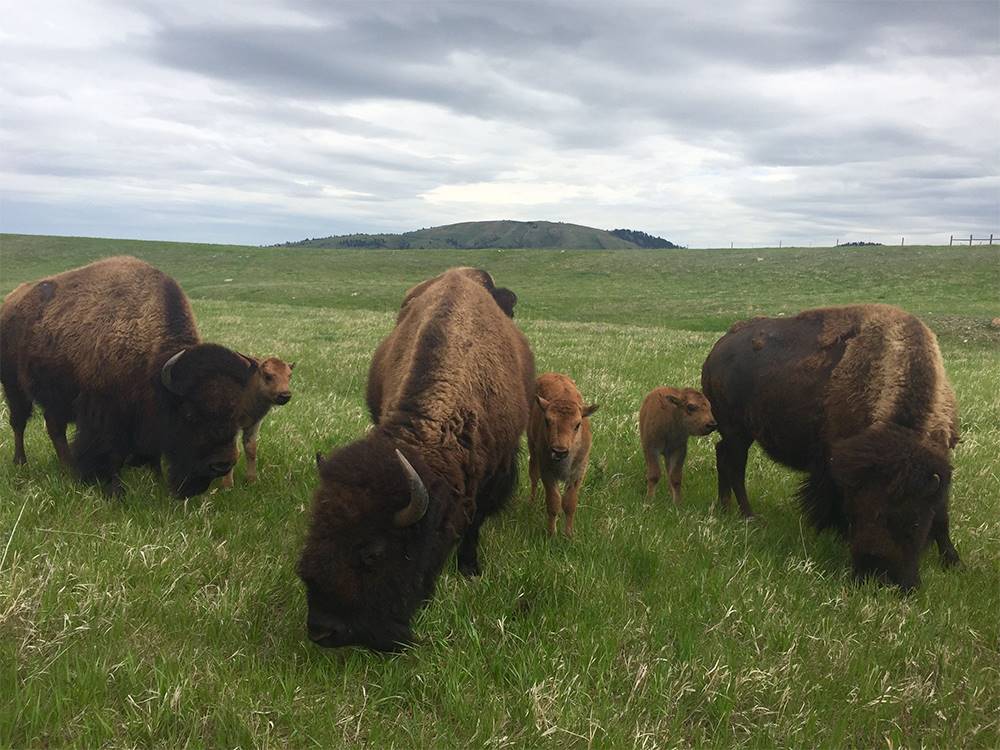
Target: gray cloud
[764, 119]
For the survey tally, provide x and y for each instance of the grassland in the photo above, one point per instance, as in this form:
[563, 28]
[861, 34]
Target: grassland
[149, 622]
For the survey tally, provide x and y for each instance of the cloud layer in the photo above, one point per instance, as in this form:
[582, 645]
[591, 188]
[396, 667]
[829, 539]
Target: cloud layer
[753, 123]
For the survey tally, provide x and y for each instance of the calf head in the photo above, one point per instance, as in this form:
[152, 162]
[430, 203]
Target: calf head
[202, 389]
[276, 380]
[692, 409]
[375, 545]
[893, 484]
[563, 419]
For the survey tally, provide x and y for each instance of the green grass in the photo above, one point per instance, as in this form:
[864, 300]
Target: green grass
[149, 622]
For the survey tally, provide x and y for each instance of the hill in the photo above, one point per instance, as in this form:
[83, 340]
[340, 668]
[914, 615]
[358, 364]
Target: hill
[472, 235]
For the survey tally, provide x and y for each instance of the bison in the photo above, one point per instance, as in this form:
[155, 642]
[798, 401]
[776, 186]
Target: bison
[857, 397]
[449, 392]
[113, 347]
[667, 418]
[270, 385]
[559, 445]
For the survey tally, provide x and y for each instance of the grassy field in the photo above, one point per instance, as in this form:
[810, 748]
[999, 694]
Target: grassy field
[149, 622]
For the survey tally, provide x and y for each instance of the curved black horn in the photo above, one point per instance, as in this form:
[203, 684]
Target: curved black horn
[165, 372]
[418, 496]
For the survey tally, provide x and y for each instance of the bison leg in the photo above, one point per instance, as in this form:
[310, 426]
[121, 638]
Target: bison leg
[20, 412]
[534, 473]
[57, 434]
[489, 499]
[675, 465]
[97, 456]
[569, 501]
[250, 448]
[652, 472]
[553, 503]
[731, 464]
[468, 548]
[939, 530]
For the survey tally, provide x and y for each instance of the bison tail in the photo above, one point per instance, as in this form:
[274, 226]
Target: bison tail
[821, 502]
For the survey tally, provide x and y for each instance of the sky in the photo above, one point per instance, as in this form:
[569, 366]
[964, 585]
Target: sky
[706, 123]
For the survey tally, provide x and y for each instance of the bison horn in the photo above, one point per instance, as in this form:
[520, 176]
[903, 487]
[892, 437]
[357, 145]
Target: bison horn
[165, 372]
[418, 496]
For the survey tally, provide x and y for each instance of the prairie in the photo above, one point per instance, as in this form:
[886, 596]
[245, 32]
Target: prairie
[150, 622]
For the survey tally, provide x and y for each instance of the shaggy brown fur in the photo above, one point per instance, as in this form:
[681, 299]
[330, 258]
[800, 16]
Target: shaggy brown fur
[449, 388]
[559, 445]
[667, 418]
[88, 346]
[856, 396]
[270, 385]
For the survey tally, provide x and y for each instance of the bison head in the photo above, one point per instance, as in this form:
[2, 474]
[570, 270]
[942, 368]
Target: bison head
[692, 409]
[375, 545]
[202, 389]
[893, 485]
[563, 420]
[276, 380]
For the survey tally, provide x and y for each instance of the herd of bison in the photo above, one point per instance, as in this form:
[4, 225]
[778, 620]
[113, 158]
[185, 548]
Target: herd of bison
[856, 397]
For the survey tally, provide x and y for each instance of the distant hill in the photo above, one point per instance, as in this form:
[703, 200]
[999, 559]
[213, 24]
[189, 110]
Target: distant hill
[500, 234]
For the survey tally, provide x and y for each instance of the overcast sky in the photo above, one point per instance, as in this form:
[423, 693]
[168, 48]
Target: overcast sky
[702, 122]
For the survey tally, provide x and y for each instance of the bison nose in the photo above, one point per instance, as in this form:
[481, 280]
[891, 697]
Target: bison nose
[283, 398]
[220, 468]
[713, 425]
[327, 630]
[559, 453]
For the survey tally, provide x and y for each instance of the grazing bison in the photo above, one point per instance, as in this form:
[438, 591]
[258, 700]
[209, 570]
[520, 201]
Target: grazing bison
[270, 385]
[559, 445]
[449, 391]
[858, 398]
[667, 418]
[113, 347]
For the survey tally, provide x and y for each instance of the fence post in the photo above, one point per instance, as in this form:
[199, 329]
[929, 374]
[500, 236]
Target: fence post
[902, 241]
[991, 238]
[951, 240]
[970, 240]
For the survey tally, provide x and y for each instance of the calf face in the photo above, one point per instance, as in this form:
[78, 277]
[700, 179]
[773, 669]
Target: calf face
[276, 380]
[694, 410]
[562, 426]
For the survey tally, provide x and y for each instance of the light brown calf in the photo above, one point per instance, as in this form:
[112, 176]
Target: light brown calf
[559, 445]
[667, 417]
[269, 386]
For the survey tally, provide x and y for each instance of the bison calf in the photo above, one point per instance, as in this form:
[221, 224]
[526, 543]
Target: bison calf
[559, 445]
[270, 385]
[667, 418]
[857, 397]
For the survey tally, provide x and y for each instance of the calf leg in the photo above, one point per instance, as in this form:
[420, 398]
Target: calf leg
[57, 434]
[939, 530]
[731, 461]
[675, 465]
[250, 448]
[227, 481]
[20, 412]
[569, 501]
[553, 503]
[534, 473]
[652, 472]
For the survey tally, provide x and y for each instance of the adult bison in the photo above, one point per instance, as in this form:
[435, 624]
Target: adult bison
[113, 346]
[449, 391]
[856, 396]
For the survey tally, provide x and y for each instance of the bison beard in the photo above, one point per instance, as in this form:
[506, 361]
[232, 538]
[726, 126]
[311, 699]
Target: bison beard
[857, 397]
[448, 390]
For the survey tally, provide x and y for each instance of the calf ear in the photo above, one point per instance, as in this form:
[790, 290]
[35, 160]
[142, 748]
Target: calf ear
[291, 366]
[671, 399]
[588, 410]
[542, 402]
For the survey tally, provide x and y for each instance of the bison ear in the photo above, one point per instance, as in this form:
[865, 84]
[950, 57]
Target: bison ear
[670, 398]
[542, 402]
[505, 299]
[588, 410]
[291, 366]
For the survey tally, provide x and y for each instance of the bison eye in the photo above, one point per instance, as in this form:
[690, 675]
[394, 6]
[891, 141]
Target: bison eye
[692, 408]
[372, 553]
[268, 377]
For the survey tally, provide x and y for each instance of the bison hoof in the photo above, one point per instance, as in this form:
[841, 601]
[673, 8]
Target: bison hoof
[950, 559]
[20, 460]
[469, 569]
